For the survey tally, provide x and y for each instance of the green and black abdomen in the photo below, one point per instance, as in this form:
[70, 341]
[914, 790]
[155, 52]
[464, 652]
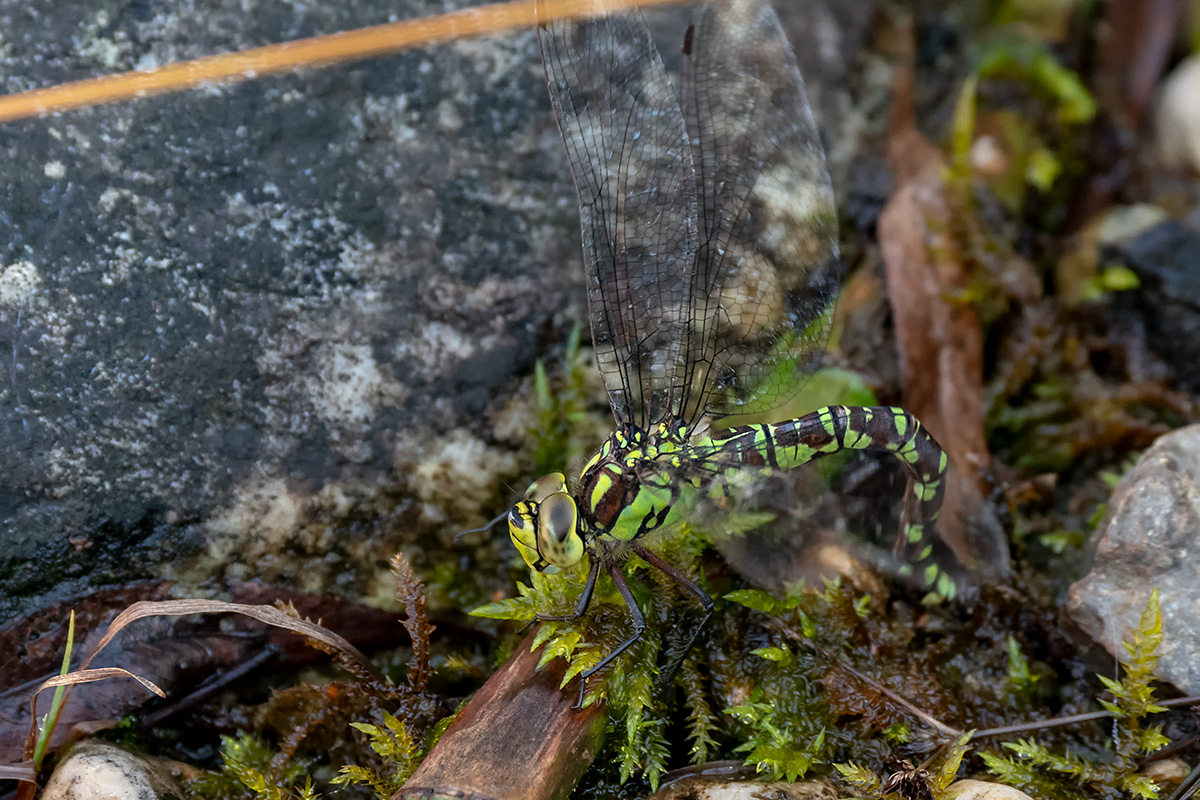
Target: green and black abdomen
[785, 445]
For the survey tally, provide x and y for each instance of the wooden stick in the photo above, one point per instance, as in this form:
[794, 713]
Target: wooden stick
[517, 739]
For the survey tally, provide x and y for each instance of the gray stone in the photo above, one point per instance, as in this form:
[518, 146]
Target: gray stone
[255, 329]
[1163, 253]
[277, 329]
[99, 771]
[697, 788]
[1148, 540]
[1177, 117]
[983, 790]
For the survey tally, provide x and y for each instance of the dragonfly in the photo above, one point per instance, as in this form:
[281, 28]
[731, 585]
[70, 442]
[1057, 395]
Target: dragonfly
[710, 246]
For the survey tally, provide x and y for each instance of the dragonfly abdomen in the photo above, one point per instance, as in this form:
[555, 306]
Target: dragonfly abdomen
[832, 429]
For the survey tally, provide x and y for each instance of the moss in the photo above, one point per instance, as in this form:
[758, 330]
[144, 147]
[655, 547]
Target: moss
[1034, 767]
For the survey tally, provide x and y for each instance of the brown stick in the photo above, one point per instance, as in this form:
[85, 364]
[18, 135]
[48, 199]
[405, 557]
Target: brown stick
[517, 739]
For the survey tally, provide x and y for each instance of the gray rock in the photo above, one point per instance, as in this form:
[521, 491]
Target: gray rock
[1148, 540]
[275, 329]
[1164, 254]
[983, 790]
[99, 771]
[1177, 117]
[695, 788]
[234, 322]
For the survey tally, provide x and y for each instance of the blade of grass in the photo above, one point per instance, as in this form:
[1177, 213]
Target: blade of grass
[39, 749]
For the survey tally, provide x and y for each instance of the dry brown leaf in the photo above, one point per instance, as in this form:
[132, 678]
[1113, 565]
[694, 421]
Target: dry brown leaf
[940, 341]
[147, 609]
[1133, 47]
[188, 657]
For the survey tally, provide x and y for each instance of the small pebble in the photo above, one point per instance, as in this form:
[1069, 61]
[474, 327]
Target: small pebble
[1177, 117]
[988, 157]
[983, 790]
[1148, 540]
[99, 771]
[697, 788]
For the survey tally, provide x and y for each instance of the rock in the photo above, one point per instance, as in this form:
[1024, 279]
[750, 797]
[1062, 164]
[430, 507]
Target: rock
[1124, 224]
[1167, 772]
[1177, 117]
[1146, 541]
[1163, 254]
[99, 771]
[700, 788]
[236, 322]
[278, 329]
[983, 790]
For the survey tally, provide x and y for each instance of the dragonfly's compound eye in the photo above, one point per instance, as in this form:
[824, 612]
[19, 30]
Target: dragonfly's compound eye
[545, 486]
[558, 531]
[522, 529]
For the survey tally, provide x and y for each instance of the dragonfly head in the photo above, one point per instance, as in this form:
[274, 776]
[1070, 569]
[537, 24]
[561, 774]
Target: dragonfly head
[545, 525]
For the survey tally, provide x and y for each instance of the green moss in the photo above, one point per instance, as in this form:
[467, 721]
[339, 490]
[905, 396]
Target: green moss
[1035, 768]
[929, 781]
[1021, 682]
[246, 773]
[561, 404]
[638, 704]
[1020, 58]
[395, 746]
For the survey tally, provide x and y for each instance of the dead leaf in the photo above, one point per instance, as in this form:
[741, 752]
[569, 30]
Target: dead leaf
[940, 340]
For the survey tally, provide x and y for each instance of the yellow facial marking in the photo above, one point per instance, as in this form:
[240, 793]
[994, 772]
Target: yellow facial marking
[524, 537]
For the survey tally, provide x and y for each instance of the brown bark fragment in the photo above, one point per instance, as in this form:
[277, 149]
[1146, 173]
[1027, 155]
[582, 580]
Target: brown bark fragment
[517, 739]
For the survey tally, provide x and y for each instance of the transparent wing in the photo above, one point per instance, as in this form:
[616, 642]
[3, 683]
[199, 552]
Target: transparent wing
[628, 148]
[767, 268]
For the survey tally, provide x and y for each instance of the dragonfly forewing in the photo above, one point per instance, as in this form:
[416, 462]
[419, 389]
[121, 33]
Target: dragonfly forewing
[628, 148]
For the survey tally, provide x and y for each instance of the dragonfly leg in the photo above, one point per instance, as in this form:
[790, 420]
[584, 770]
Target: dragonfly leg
[639, 627]
[688, 585]
[581, 606]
